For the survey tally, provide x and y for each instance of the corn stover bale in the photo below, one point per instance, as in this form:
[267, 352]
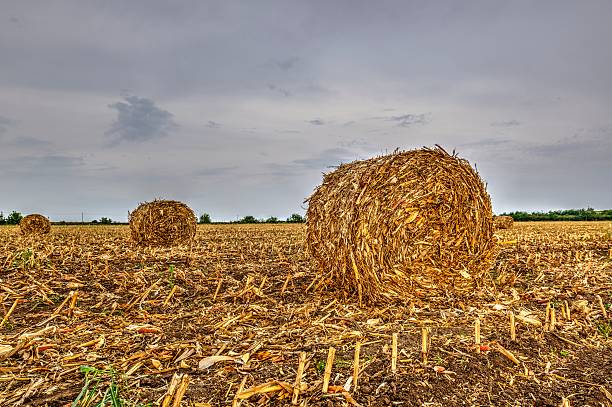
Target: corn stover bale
[34, 224]
[162, 223]
[412, 223]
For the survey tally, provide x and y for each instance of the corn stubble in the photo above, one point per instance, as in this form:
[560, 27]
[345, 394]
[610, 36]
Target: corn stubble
[412, 223]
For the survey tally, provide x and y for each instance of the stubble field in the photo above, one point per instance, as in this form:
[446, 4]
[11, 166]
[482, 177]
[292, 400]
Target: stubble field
[224, 322]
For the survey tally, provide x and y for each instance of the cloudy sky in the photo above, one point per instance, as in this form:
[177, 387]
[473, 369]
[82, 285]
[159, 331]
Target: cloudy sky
[238, 107]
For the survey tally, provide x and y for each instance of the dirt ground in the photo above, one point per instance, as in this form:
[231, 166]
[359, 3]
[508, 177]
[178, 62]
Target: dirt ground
[224, 322]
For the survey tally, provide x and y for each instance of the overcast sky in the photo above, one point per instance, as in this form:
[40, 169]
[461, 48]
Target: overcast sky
[238, 107]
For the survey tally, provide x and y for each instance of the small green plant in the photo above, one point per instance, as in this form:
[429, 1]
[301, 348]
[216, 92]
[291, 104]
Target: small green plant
[24, 259]
[89, 393]
[604, 329]
[320, 366]
[343, 363]
[171, 276]
[564, 353]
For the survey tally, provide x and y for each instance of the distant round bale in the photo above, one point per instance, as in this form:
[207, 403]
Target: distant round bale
[162, 223]
[413, 223]
[34, 224]
[503, 222]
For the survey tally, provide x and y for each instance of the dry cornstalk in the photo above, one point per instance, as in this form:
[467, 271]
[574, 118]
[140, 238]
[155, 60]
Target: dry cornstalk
[356, 366]
[328, 368]
[394, 352]
[507, 354]
[180, 391]
[477, 334]
[217, 289]
[237, 399]
[424, 344]
[298, 378]
[553, 320]
[512, 327]
[8, 314]
[174, 383]
[73, 303]
[602, 307]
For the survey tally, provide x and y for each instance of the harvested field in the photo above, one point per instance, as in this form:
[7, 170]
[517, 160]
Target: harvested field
[226, 321]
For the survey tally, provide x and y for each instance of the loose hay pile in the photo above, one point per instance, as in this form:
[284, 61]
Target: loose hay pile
[503, 222]
[162, 223]
[35, 224]
[410, 223]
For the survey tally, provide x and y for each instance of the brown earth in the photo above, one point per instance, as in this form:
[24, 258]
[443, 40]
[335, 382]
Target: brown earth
[84, 296]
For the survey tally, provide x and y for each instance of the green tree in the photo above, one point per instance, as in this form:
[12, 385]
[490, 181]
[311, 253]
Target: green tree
[2, 220]
[205, 218]
[105, 221]
[14, 218]
[272, 219]
[248, 219]
[295, 218]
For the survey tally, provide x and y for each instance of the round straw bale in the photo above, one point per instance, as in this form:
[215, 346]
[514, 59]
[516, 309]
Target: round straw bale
[34, 224]
[162, 223]
[503, 222]
[412, 223]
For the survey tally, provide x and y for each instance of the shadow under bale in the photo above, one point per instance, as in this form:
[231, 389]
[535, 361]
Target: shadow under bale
[412, 223]
[162, 223]
[35, 224]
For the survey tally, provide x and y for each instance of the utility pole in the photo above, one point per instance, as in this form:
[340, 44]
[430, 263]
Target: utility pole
[82, 217]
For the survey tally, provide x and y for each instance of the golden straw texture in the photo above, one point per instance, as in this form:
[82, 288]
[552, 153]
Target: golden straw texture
[162, 223]
[35, 224]
[503, 222]
[412, 223]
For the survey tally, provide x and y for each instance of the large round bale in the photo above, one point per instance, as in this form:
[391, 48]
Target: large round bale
[34, 224]
[412, 223]
[162, 223]
[503, 222]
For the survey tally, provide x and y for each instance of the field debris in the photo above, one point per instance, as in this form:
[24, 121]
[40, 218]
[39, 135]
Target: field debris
[84, 309]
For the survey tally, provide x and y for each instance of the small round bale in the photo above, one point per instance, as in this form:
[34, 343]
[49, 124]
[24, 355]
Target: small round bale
[34, 224]
[503, 222]
[413, 223]
[162, 223]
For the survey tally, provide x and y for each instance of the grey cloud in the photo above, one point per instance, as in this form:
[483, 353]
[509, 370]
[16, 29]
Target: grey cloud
[287, 64]
[42, 165]
[316, 122]
[214, 171]
[25, 141]
[589, 146]
[509, 123]
[331, 157]
[5, 123]
[280, 90]
[408, 120]
[213, 125]
[484, 143]
[139, 120]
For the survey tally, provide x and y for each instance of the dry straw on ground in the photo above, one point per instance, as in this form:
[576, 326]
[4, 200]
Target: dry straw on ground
[411, 223]
[503, 222]
[35, 224]
[162, 223]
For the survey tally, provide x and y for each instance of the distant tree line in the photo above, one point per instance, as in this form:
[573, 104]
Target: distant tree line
[564, 215]
[12, 219]
[15, 217]
[294, 218]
